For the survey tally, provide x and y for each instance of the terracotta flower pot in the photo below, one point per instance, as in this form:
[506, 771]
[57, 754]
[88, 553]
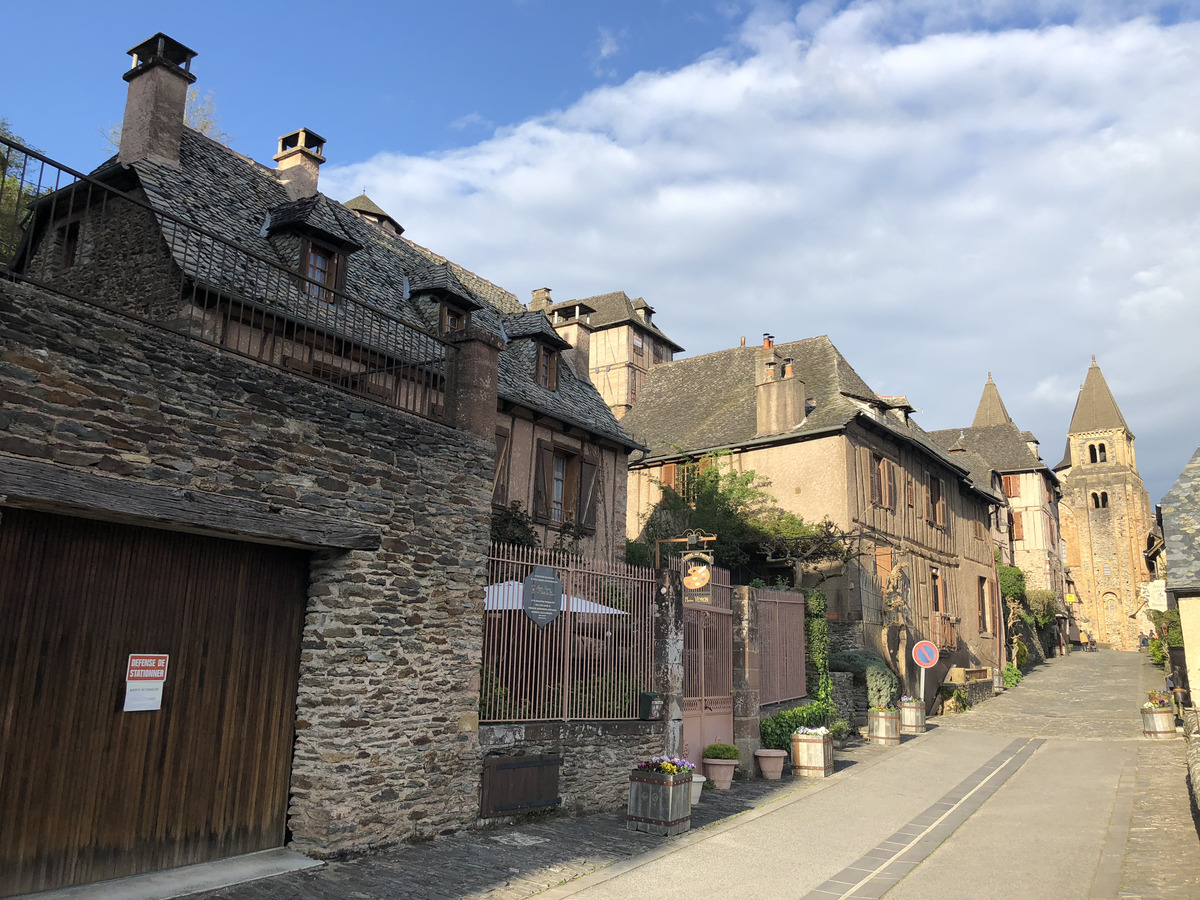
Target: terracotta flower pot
[720, 771]
[770, 763]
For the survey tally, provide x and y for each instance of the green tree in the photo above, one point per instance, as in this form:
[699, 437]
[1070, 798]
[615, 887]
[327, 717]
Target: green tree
[751, 530]
[14, 191]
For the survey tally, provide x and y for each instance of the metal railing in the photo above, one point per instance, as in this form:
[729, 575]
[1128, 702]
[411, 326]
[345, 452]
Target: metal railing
[80, 236]
[781, 641]
[591, 662]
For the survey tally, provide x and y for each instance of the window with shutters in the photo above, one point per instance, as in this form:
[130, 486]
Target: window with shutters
[633, 384]
[454, 319]
[500, 475]
[910, 492]
[547, 367]
[935, 503]
[883, 482]
[984, 606]
[936, 597]
[1018, 527]
[324, 271]
[981, 527]
[639, 345]
[1012, 485]
[566, 487]
[667, 477]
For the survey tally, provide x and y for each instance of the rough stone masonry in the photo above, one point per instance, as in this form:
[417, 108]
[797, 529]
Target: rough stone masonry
[387, 746]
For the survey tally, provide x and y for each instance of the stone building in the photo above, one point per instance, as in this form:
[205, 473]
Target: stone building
[252, 433]
[615, 337]
[1107, 521]
[798, 415]
[1031, 520]
[1180, 511]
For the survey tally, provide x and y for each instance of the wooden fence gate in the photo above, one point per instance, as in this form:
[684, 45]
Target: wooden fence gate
[707, 665]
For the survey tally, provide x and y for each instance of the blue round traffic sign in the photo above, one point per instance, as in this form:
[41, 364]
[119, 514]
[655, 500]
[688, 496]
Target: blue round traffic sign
[925, 653]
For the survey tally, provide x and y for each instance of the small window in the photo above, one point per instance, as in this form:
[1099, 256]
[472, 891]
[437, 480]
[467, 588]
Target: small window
[1107, 569]
[657, 352]
[1095, 500]
[935, 591]
[639, 344]
[1012, 485]
[633, 384]
[935, 503]
[1104, 500]
[1092, 452]
[547, 367]
[322, 271]
[1102, 453]
[983, 606]
[454, 319]
[500, 474]
[910, 493]
[566, 487]
[883, 482]
[68, 242]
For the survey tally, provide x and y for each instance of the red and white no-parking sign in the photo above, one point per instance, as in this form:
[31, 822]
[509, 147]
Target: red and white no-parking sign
[925, 654]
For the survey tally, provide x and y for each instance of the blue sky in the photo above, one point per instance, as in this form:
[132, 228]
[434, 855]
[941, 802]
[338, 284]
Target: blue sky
[944, 187]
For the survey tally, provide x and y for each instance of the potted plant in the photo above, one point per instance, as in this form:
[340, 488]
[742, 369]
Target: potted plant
[1158, 716]
[719, 762]
[770, 763]
[883, 724]
[660, 792]
[912, 715]
[812, 751]
[841, 731]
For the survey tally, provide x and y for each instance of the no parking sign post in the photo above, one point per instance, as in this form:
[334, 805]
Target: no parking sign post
[925, 654]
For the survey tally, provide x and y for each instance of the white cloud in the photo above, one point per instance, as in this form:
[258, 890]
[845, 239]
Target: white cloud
[940, 192]
[606, 47]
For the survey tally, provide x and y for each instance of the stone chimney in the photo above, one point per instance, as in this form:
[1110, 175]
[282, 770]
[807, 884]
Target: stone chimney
[298, 159]
[540, 299]
[158, 86]
[780, 394]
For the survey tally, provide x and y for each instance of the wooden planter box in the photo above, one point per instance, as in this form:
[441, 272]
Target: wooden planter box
[659, 803]
[812, 755]
[1158, 723]
[912, 717]
[883, 727]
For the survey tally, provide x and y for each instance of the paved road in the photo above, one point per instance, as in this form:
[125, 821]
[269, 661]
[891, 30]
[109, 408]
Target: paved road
[1048, 791]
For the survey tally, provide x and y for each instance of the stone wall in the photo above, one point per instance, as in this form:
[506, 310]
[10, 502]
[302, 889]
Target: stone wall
[845, 636]
[387, 710]
[597, 756]
[1191, 725]
[846, 699]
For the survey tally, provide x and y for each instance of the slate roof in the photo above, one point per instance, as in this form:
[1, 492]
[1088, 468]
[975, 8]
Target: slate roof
[1096, 409]
[991, 409]
[1003, 446]
[616, 308]
[1181, 528]
[231, 195]
[703, 403]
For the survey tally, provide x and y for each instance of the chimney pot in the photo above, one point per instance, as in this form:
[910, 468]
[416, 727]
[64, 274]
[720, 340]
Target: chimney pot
[298, 159]
[158, 83]
[743, 340]
[540, 299]
[787, 368]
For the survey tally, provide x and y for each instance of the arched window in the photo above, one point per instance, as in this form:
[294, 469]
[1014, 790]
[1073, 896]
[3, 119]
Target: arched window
[1103, 455]
[1092, 452]
[1096, 500]
[1104, 500]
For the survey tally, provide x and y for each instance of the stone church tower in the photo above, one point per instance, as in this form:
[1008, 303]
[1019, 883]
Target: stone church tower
[1106, 518]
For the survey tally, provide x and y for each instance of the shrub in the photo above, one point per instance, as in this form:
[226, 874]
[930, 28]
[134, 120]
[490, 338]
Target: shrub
[1157, 654]
[816, 636]
[869, 669]
[1022, 654]
[1012, 675]
[776, 731]
[1042, 606]
[722, 751]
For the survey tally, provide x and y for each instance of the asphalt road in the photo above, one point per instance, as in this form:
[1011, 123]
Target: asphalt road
[1047, 791]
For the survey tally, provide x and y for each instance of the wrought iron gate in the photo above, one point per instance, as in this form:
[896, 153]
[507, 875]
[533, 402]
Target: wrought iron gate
[707, 665]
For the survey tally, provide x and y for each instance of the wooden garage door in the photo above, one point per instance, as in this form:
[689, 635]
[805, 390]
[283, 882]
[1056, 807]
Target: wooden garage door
[88, 791]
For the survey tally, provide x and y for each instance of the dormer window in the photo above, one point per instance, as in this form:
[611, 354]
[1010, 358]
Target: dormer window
[547, 367]
[454, 319]
[324, 269]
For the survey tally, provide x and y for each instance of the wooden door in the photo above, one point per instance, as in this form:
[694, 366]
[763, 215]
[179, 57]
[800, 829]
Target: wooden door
[89, 792]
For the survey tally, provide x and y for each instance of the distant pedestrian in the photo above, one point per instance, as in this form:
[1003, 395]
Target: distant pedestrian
[1143, 641]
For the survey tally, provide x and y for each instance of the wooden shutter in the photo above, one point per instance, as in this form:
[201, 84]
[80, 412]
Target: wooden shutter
[543, 482]
[912, 501]
[929, 501]
[883, 564]
[1012, 485]
[500, 476]
[889, 471]
[589, 489]
[1018, 529]
[876, 486]
[668, 476]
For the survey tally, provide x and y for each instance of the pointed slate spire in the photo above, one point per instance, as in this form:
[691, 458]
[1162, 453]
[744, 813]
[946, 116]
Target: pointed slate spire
[991, 409]
[1096, 410]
